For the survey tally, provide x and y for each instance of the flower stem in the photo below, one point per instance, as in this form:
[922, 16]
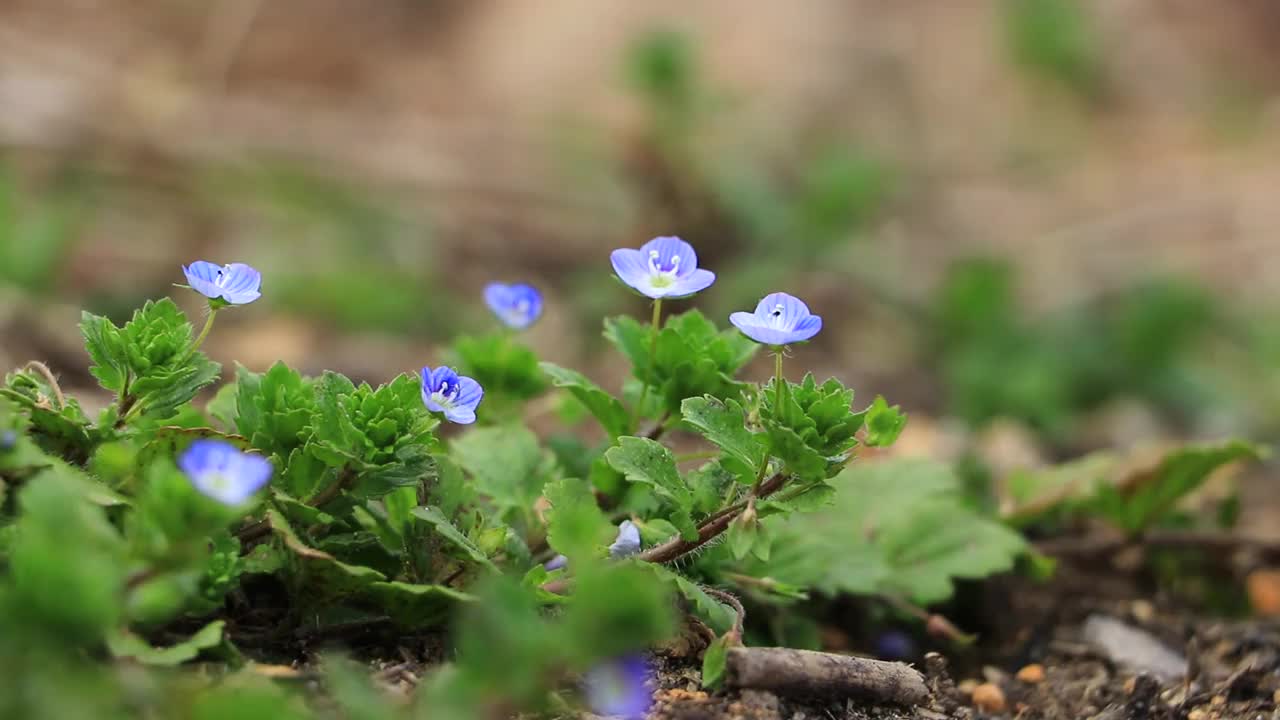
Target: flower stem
[653, 351]
[204, 333]
[777, 380]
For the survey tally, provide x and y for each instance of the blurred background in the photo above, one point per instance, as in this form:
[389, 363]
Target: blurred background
[1042, 226]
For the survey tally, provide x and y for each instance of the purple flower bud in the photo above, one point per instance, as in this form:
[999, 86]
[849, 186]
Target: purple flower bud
[627, 542]
[444, 391]
[219, 470]
[8, 439]
[517, 306]
[779, 319]
[664, 267]
[620, 688]
[234, 284]
[556, 563]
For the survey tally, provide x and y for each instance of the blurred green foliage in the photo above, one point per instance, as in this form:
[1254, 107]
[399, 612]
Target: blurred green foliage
[998, 361]
[38, 229]
[1056, 40]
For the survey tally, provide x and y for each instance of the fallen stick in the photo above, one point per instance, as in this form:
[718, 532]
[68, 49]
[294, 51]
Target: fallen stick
[805, 673]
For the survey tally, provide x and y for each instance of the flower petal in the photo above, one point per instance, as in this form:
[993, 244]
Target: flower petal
[498, 297]
[669, 248]
[460, 415]
[469, 393]
[760, 331]
[807, 328]
[695, 282]
[632, 268]
[627, 542]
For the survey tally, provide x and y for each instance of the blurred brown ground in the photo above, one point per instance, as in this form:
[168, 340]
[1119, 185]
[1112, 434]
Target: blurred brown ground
[455, 109]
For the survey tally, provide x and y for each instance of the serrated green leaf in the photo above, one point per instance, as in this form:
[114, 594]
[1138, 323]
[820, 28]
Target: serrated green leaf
[446, 529]
[607, 409]
[124, 645]
[576, 527]
[884, 423]
[724, 424]
[506, 464]
[631, 339]
[801, 460]
[645, 461]
[321, 576]
[105, 345]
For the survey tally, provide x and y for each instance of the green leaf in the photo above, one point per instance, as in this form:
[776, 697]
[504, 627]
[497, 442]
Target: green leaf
[105, 345]
[147, 362]
[576, 527]
[124, 645]
[319, 575]
[724, 423]
[742, 536]
[645, 461]
[501, 364]
[274, 409]
[616, 608]
[713, 663]
[506, 464]
[631, 339]
[713, 612]
[416, 606]
[606, 408]
[884, 423]
[67, 565]
[800, 458]
[898, 527]
[441, 524]
[1178, 474]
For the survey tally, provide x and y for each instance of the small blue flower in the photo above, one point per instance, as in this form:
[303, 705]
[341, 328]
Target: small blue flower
[664, 267]
[219, 470]
[444, 391]
[620, 688]
[556, 563]
[234, 284]
[779, 319]
[8, 439]
[518, 306]
[627, 542]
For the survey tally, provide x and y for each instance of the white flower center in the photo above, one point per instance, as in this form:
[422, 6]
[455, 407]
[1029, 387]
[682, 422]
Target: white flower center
[661, 277]
[224, 276]
[447, 393]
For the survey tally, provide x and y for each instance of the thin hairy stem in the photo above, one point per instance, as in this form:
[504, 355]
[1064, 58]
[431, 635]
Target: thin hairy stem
[653, 351]
[49, 378]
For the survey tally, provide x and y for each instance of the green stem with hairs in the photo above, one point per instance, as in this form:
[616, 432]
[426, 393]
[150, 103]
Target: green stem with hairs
[653, 352]
[204, 333]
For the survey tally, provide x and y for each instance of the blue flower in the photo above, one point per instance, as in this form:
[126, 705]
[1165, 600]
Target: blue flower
[444, 391]
[664, 267]
[219, 470]
[627, 542]
[556, 563]
[8, 439]
[620, 688]
[518, 306]
[234, 284]
[779, 319]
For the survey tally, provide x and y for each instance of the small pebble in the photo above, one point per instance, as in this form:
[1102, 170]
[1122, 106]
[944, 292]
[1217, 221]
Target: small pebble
[967, 686]
[1143, 611]
[1218, 701]
[1033, 673]
[988, 698]
[1197, 714]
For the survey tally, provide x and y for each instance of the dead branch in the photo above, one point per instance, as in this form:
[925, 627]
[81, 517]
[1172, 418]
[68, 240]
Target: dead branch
[805, 673]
